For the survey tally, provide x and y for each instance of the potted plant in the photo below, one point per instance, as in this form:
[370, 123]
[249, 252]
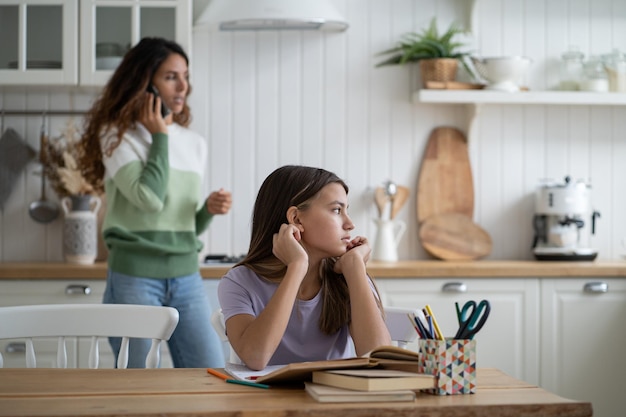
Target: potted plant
[437, 55]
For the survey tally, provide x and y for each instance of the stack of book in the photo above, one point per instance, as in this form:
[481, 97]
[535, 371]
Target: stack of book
[367, 385]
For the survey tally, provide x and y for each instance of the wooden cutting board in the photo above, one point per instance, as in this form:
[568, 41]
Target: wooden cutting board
[454, 237]
[445, 182]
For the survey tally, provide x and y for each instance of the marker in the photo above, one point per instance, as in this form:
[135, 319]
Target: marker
[248, 383]
[217, 374]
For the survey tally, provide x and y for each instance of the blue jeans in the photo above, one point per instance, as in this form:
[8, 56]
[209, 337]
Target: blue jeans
[194, 343]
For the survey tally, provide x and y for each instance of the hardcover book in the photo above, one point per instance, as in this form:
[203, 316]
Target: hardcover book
[374, 379]
[328, 394]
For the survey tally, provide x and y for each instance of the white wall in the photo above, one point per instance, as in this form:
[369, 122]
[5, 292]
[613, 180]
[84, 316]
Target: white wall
[274, 98]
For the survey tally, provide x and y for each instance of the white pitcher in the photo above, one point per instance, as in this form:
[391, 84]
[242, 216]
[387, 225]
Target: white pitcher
[388, 235]
[80, 229]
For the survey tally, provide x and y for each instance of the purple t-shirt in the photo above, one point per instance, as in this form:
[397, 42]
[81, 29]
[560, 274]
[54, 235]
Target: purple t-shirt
[241, 291]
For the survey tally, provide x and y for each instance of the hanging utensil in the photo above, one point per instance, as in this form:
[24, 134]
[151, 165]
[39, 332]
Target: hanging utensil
[43, 210]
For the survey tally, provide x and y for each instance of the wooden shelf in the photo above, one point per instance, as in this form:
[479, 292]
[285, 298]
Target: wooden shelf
[524, 97]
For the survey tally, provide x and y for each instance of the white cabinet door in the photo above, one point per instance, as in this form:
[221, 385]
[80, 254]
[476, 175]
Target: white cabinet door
[26, 292]
[582, 341]
[510, 338]
[110, 27]
[39, 42]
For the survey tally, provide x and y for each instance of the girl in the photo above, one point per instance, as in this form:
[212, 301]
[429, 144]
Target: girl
[152, 167]
[302, 293]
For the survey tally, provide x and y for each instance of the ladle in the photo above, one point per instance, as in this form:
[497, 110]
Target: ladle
[43, 210]
[391, 189]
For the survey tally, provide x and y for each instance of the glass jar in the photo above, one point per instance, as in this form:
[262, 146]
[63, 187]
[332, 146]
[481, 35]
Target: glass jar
[571, 69]
[615, 65]
[594, 76]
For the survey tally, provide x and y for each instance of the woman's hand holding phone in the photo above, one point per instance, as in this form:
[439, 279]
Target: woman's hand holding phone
[164, 109]
[151, 116]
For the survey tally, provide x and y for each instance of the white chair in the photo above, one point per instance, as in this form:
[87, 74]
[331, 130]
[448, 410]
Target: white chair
[401, 330]
[89, 320]
[217, 320]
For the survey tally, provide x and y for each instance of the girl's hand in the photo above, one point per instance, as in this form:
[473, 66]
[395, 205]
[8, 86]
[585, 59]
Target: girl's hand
[219, 202]
[150, 115]
[287, 247]
[357, 255]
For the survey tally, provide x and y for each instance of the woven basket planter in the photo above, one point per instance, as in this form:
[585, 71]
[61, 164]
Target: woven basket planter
[438, 69]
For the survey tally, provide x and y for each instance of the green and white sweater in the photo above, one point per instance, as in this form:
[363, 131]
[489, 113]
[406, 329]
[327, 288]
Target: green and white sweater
[155, 206]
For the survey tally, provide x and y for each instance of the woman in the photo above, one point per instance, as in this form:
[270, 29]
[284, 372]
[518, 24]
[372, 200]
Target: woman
[151, 168]
[302, 293]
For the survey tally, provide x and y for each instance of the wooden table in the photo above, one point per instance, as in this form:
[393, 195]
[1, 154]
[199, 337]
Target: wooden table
[193, 392]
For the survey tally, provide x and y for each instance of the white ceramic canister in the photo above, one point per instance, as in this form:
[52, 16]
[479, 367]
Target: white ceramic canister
[387, 239]
[80, 228]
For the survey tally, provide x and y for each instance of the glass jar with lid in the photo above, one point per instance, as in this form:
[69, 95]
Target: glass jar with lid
[571, 69]
[594, 76]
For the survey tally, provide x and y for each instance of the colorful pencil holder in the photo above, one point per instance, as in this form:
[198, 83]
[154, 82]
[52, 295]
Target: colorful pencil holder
[453, 362]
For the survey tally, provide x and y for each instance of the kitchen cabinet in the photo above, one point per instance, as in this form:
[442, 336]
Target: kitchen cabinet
[110, 27]
[510, 338]
[39, 42]
[25, 292]
[582, 341]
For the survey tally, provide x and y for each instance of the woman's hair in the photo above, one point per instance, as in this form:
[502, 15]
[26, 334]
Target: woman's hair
[120, 103]
[294, 185]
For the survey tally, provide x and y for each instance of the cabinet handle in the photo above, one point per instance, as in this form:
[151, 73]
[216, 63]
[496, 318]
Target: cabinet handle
[16, 347]
[596, 287]
[457, 287]
[77, 289]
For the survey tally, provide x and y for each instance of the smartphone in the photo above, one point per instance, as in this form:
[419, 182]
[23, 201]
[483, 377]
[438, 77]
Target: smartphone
[164, 110]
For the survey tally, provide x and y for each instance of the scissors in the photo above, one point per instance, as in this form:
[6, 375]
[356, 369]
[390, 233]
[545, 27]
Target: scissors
[472, 318]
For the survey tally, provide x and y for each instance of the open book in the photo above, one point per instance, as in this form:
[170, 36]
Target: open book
[383, 356]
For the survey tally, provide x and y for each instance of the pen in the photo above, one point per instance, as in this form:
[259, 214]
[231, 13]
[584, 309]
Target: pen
[217, 374]
[248, 383]
[425, 333]
[437, 329]
[413, 321]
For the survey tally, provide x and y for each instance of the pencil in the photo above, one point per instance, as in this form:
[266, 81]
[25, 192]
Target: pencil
[437, 329]
[248, 383]
[217, 374]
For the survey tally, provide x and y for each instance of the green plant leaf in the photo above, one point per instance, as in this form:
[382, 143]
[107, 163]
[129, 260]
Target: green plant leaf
[414, 46]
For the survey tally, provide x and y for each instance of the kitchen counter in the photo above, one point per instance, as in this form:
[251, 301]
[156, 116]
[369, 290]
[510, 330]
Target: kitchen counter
[400, 269]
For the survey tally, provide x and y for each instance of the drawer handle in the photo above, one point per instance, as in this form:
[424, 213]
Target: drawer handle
[77, 289]
[16, 347]
[596, 287]
[456, 287]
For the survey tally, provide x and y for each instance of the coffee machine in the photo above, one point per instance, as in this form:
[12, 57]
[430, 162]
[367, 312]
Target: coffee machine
[564, 222]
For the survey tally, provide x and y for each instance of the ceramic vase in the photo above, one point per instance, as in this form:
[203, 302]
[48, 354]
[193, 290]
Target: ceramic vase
[80, 228]
[388, 236]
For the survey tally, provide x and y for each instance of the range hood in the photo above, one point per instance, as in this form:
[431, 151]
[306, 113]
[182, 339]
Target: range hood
[272, 15]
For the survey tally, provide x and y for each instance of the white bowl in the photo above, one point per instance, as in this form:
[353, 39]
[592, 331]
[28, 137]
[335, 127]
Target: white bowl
[502, 73]
[108, 62]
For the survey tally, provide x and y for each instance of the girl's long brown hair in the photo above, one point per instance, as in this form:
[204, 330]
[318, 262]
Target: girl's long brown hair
[294, 185]
[120, 103]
